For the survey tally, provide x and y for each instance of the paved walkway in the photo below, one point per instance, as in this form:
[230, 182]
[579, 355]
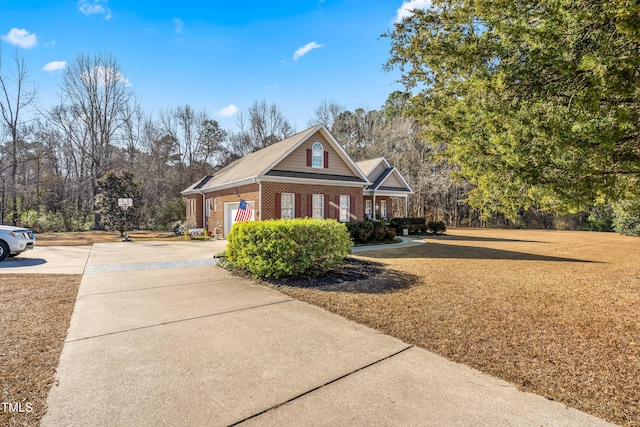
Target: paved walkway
[406, 242]
[160, 338]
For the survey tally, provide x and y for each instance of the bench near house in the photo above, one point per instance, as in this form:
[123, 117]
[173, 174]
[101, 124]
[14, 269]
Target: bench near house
[306, 175]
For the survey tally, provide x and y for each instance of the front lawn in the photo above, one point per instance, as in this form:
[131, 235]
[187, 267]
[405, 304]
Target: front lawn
[34, 313]
[553, 312]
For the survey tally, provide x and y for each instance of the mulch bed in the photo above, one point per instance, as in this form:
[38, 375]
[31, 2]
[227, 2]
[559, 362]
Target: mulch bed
[35, 310]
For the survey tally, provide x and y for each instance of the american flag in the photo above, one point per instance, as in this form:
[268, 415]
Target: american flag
[245, 212]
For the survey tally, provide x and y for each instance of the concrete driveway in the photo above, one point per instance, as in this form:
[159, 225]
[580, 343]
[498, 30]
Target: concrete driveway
[161, 337]
[48, 260]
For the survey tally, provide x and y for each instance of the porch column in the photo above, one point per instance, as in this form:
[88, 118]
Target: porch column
[406, 206]
[374, 205]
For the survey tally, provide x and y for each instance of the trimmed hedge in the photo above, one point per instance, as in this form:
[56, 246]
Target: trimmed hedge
[368, 231]
[284, 248]
[437, 227]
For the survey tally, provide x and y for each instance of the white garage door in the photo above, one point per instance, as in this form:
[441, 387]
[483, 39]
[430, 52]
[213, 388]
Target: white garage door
[230, 210]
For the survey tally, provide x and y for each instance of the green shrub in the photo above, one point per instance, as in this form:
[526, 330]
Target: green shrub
[390, 234]
[437, 227]
[627, 217]
[360, 231]
[367, 231]
[285, 248]
[379, 231]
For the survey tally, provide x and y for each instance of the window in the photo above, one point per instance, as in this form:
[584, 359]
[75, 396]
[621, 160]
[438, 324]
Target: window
[317, 211]
[207, 206]
[344, 208]
[317, 155]
[192, 206]
[215, 204]
[286, 206]
[368, 205]
[383, 208]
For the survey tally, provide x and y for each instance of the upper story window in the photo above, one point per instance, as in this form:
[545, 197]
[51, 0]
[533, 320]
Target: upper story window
[317, 155]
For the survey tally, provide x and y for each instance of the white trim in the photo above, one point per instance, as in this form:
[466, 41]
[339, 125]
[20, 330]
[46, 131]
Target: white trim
[312, 181]
[203, 190]
[348, 207]
[386, 193]
[322, 197]
[314, 157]
[293, 205]
[227, 217]
[259, 200]
[398, 175]
[332, 141]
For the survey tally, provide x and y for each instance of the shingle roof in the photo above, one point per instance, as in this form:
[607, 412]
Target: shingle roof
[367, 166]
[254, 164]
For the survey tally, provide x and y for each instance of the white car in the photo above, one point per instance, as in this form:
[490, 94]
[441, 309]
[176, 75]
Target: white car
[14, 241]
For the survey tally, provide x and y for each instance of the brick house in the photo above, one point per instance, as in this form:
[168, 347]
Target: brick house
[306, 175]
[387, 185]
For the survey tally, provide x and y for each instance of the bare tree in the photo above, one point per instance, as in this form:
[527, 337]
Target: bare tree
[198, 141]
[263, 125]
[95, 106]
[326, 114]
[15, 98]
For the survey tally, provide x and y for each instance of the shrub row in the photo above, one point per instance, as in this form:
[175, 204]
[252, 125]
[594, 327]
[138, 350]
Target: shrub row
[283, 248]
[369, 231]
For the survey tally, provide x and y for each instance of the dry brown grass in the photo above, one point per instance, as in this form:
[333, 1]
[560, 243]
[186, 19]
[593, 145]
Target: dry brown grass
[90, 237]
[555, 313]
[34, 313]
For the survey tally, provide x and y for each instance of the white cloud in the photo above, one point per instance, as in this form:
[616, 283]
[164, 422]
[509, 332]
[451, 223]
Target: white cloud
[95, 7]
[305, 49]
[178, 25]
[228, 111]
[21, 37]
[409, 6]
[54, 66]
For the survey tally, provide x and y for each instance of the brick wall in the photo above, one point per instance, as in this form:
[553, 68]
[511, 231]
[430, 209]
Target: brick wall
[194, 209]
[269, 190]
[378, 200]
[248, 193]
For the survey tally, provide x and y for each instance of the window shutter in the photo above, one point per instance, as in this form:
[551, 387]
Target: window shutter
[309, 154]
[326, 206]
[338, 207]
[352, 208]
[310, 205]
[326, 160]
[297, 213]
[278, 205]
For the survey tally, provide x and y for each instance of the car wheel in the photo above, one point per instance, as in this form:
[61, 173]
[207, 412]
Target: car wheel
[4, 250]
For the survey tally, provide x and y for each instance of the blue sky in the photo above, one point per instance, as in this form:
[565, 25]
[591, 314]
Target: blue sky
[217, 55]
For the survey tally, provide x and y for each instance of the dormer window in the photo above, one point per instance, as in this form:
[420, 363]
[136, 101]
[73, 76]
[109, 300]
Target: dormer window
[317, 155]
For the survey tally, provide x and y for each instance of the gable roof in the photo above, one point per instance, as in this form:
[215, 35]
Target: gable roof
[370, 167]
[256, 165]
[367, 166]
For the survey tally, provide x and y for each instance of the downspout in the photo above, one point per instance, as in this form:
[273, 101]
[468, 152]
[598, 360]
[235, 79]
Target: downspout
[204, 212]
[259, 198]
